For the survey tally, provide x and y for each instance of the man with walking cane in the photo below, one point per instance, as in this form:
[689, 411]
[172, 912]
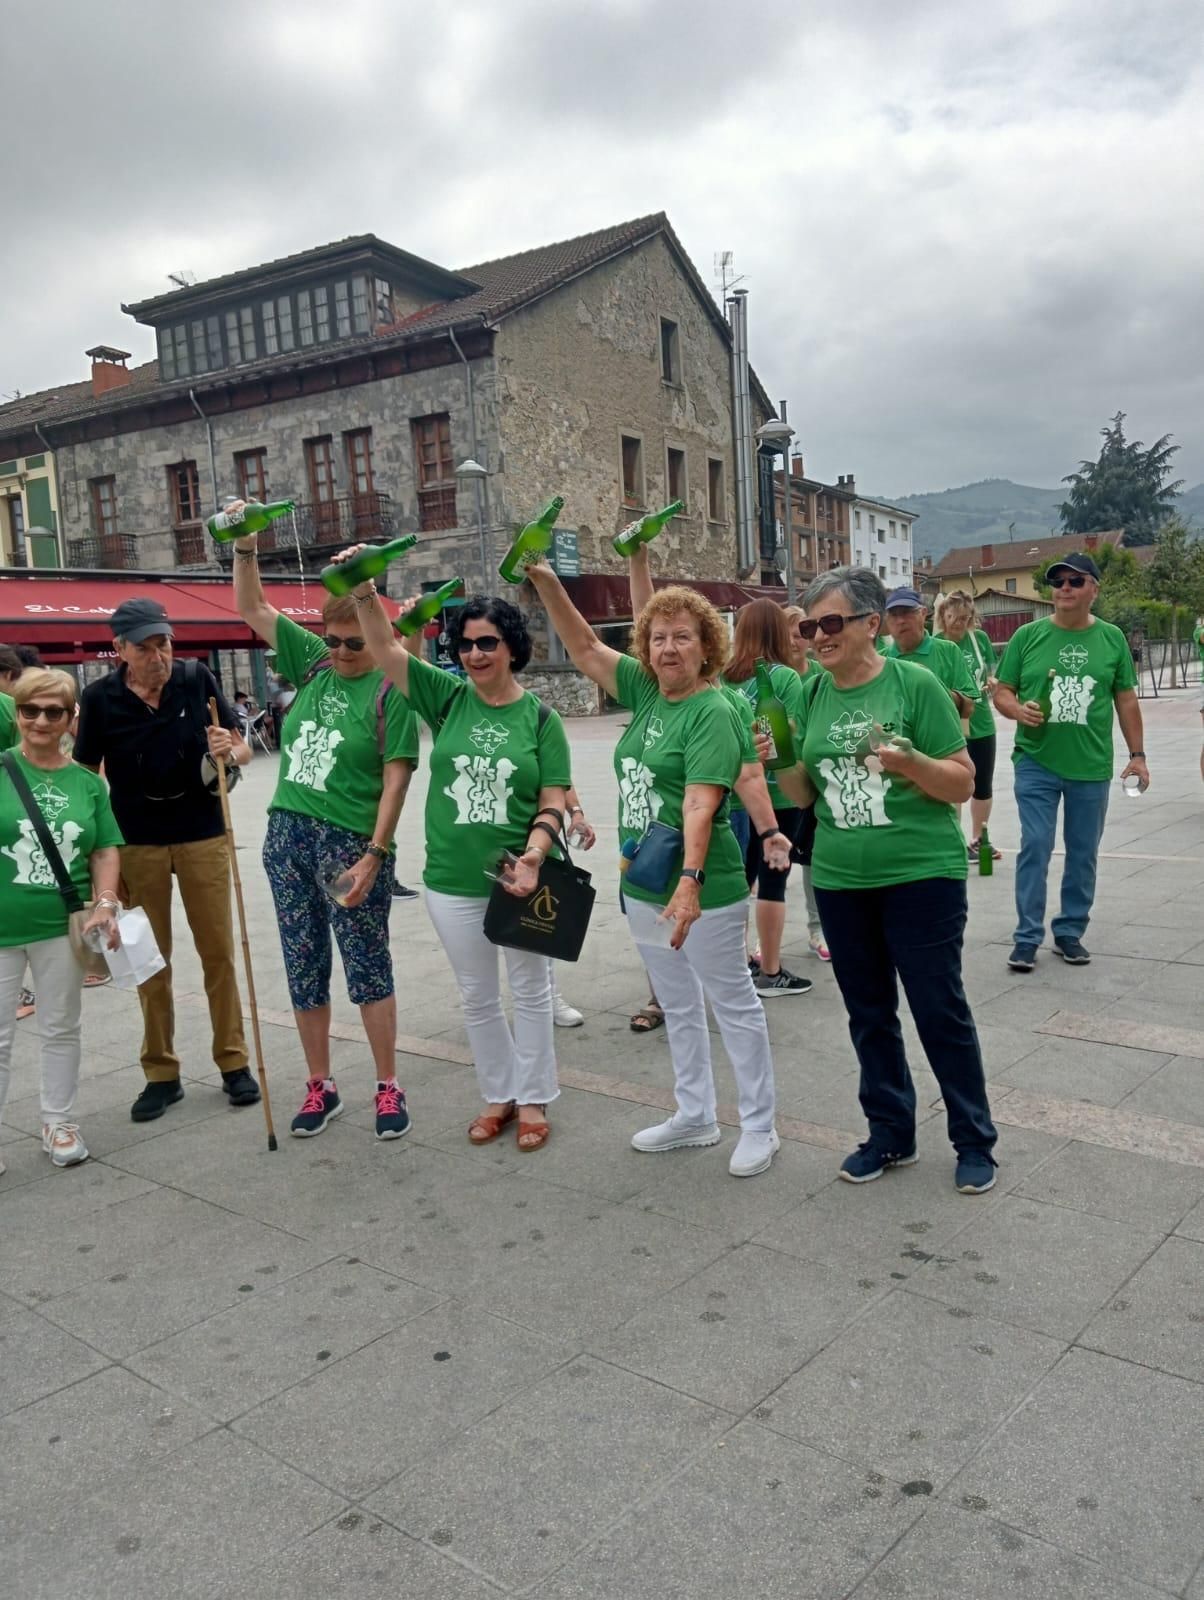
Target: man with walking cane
[148, 722]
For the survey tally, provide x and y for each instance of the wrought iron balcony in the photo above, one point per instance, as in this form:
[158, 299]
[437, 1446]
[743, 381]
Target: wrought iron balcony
[117, 552]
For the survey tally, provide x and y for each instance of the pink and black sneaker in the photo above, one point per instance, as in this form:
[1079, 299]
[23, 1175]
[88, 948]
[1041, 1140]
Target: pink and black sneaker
[318, 1107]
[392, 1118]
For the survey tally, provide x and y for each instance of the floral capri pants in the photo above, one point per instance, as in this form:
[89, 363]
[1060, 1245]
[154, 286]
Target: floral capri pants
[295, 849]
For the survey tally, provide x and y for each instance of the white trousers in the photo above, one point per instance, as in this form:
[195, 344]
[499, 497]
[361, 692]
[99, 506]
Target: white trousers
[711, 965]
[58, 984]
[519, 1066]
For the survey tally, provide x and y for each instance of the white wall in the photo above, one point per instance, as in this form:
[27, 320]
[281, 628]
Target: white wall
[892, 551]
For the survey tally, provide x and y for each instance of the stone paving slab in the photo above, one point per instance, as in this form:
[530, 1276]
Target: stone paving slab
[1158, 1318]
[1139, 1190]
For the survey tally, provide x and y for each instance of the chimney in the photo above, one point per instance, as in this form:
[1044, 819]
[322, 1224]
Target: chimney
[109, 370]
[1091, 541]
[849, 484]
[988, 555]
[796, 467]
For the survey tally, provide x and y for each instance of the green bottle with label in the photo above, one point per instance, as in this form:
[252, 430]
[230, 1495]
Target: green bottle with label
[646, 529]
[428, 608]
[253, 518]
[1045, 701]
[773, 719]
[534, 541]
[341, 577]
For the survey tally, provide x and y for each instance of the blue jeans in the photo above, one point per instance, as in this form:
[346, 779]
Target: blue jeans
[742, 827]
[1084, 808]
[911, 931]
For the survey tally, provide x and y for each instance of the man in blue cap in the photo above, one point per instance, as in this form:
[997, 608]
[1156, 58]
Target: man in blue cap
[1059, 681]
[906, 615]
[149, 723]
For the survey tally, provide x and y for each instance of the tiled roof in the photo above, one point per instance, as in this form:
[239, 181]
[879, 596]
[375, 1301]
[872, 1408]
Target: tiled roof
[505, 285]
[1018, 553]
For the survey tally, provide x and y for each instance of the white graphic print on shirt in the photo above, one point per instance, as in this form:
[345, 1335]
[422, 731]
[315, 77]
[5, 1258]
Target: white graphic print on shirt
[33, 868]
[1070, 697]
[855, 795]
[489, 736]
[640, 801]
[312, 755]
[481, 790]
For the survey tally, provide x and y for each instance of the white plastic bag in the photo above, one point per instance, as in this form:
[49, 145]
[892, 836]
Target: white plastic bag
[138, 957]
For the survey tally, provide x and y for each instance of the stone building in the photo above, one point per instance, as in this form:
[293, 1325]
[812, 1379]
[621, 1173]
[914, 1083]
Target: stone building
[355, 379]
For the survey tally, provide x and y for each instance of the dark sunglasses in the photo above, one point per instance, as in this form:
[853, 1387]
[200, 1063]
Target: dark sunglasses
[30, 712]
[332, 642]
[1071, 580]
[831, 624]
[486, 644]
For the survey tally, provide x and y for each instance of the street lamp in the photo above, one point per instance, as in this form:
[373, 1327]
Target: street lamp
[777, 434]
[473, 472]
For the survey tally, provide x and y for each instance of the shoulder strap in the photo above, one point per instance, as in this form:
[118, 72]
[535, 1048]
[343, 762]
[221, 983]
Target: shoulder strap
[382, 694]
[45, 838]
[542, 715]
[324, 665]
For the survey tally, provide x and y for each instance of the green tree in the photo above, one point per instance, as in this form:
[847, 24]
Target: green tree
[1126, 488]
[1176, 577]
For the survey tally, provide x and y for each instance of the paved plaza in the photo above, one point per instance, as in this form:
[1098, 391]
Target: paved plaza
[417, 1369]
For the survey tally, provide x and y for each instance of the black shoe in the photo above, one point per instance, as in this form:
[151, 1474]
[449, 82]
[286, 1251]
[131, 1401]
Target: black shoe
[1023, 957]
[241, 1087]
[400, 892]
[769, 984]
[1072, 951]
[155, 1099]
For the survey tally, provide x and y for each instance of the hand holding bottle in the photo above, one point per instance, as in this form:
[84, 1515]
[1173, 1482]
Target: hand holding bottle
[1029, 714]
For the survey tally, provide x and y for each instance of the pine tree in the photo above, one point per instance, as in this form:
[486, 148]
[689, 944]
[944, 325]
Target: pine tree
[1126, 488]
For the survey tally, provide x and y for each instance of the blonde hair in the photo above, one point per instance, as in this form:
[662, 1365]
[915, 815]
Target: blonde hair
[711, 632]
[957, 600]
[42, 680]
[339, 608]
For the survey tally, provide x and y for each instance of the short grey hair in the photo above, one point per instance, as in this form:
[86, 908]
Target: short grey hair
[863, 589]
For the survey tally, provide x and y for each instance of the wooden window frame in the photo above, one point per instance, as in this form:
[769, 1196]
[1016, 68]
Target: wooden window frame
[351, 439]
[434, 477]
[319, 451]
[680, 450]
[639, 497]
[252, 485]
[185, 509]
[718, 502]
[671, 369]
[106, 527]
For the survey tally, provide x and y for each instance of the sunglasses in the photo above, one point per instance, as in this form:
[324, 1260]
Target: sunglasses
[1070, 580]
[832, 624]
[30, 713]
[332, 642]
[486, 644]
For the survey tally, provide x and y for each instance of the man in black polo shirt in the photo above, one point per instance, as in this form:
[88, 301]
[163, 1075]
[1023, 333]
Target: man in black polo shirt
[148, 722]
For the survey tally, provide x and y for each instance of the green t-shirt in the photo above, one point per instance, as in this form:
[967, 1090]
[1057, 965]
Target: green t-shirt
[980, 664]
[743, 712]
[1198, 636]
[788, 687]
[1091, 666]
[942, 658]
[75, 804]
[667, 745]
[488, 764]
[875, 829]
[331, 765]
[8, 722]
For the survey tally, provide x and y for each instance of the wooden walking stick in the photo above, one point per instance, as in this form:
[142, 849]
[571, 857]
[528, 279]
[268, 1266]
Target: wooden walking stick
[242, 924]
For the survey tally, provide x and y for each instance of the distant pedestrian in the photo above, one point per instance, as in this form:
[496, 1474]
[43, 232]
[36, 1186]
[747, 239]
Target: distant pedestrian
[148, 722]
[956, 619]
[1060, 680]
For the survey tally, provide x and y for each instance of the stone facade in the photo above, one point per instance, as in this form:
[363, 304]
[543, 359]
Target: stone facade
[564, 688]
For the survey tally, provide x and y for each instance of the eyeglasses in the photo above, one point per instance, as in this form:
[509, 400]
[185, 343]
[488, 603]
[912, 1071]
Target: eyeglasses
[832, 624]
[486, 644]
[1070, 580]
[332, 642]
[53, 714]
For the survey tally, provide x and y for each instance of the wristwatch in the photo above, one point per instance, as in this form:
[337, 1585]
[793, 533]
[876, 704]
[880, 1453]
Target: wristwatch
[698, 875]
[377, 850]
[768, 834]
[1136, 755]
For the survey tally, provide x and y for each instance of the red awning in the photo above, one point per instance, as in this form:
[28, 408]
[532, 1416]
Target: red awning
[605, 597]
[67, 617]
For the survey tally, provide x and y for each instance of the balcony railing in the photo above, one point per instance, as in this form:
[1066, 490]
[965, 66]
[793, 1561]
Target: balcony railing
[194, 548]
[116, 553]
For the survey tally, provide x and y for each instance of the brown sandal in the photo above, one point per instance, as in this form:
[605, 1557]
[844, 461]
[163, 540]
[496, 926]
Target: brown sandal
[648, 1018]
[485, 1129]
[533, 1135]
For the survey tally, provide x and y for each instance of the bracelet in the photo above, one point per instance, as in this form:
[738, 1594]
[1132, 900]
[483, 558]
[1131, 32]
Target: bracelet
[106, 900]
[246, 555]
[768, 834]
[365, 599]
[536, 850]
[380, 851]
[1136, 755]
[576, 811]
[551, 811]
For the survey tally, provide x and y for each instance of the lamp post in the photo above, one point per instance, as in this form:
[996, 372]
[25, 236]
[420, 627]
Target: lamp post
[473, 472]
[778, 433]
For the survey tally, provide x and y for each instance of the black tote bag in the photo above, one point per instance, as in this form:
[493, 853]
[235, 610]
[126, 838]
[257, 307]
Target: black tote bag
[553, 920]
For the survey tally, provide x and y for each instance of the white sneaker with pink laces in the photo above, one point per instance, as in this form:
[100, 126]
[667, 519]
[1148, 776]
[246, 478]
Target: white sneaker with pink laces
[62, 1143]
[818, 947]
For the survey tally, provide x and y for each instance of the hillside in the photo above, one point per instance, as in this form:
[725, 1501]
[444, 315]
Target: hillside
[995, 510]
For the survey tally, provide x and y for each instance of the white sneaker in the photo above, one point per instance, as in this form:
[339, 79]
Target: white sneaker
[62, 1143]
[565, 1015]
[753, 1153]
[818, 948]
[676, 1135]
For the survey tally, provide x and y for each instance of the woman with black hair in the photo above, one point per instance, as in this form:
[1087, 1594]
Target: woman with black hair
[499, 770]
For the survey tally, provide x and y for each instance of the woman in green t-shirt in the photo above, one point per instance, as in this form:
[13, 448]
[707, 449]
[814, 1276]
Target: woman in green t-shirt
[686, 902]
[495, 802]
[348, 749]
[884, 759]
[74, 804]
[955, 617]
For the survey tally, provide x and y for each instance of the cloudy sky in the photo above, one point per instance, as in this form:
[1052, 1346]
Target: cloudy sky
[970, 234]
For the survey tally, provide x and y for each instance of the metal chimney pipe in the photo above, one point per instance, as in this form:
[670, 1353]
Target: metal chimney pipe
[746, 555]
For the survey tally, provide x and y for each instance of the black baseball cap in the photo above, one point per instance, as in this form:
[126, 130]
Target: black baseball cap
[1077, 562]
[137, 620]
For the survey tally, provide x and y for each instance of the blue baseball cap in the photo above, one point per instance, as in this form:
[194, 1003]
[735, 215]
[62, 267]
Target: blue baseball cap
[905, 599]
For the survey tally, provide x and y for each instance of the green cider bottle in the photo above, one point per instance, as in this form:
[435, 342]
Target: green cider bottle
[341, 577]
[428, 608]
[1045, 701]
[534, 541]
[986, 856]
[253, 518]
[646, 529]
[772, 718]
